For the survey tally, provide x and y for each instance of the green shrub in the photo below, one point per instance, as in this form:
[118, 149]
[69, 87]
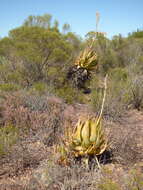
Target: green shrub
[9, 87]
[8, 137]
[118, 93]
[39, 87]
[14, 77]
[119, 74]
[137, 92]
[108, 184]
[135, 180]
[3, 60]
[70, 94]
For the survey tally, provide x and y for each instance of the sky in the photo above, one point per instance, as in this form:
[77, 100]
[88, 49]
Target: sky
[116, 16]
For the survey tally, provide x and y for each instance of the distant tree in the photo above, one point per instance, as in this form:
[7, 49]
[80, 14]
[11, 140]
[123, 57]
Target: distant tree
[56, 25]
[90, 36]
[136, 34]
[38, 50]
[40, 21]
[66, 28]
[74, 41]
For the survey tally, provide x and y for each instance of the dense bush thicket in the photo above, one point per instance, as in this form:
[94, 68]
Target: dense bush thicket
[37, 56]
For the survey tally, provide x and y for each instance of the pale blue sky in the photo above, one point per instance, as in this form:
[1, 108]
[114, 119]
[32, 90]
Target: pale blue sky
[116, 16]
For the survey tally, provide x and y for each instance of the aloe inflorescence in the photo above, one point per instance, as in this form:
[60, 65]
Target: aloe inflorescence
[80, 72]
[87, 59]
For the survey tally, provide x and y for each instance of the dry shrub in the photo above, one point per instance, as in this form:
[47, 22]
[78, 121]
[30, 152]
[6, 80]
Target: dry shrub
[8, 137]
[118, 94]
[11, 187]
[111, 177]
[52, 176]
[23, 156]
[125, 138]
[137, 92]
[31, 113]
[39, 120]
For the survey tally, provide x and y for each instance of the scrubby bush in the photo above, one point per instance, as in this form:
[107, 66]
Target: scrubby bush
[8, 137]
[137, 92]
[7, 87]
[27, 119]
[70, 94]
[135, 181]
[118, 93]
[33, 114]
[39, 87]
[108, 184]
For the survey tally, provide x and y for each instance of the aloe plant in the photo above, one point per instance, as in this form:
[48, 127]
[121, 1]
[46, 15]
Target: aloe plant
[88, 136]
[80, 72]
